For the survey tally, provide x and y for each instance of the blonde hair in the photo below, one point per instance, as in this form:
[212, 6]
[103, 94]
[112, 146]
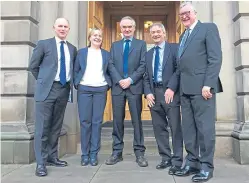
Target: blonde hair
[91, 33]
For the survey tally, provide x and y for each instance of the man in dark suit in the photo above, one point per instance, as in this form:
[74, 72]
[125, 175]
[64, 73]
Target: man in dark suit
[200, 58]
[126, 67]
[52, 66]
[161, 88]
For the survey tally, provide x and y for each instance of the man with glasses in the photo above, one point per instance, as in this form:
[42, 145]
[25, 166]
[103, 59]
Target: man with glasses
[199, 58]
[127, 67]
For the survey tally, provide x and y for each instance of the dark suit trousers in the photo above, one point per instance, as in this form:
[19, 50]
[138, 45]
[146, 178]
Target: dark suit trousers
[135, 107]
[48, 123]
[198, 124]
[164, 115]
[91, 106]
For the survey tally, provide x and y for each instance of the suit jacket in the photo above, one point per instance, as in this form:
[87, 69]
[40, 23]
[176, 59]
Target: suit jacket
[200, 62]
[44, 66]
[170, 79]
[136, 65]
[81, 63]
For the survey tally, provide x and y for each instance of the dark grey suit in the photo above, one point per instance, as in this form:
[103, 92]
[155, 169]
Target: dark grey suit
[136, 69]
[51, 97]
[165, 114]
[199, 65]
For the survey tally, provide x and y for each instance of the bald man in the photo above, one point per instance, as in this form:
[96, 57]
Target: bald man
[52, 65]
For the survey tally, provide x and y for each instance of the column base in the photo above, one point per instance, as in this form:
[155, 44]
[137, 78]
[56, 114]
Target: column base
[240, 150]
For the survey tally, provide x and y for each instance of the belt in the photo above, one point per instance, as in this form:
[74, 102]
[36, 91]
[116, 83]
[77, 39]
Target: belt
[158, 84]
[58, 82]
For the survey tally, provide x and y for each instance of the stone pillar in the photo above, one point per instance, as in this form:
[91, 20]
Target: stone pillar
[19, 28]
[241, 42]
[69, 10]
[226, 113]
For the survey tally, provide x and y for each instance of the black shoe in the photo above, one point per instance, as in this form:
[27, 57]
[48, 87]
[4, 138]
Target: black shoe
[84, 161]
[174, 169]
[141, 161]
[202, 176]
[94, 161]
[41, 170]
[186, 171]
[164, 164]
[56, 162]
[113, 159]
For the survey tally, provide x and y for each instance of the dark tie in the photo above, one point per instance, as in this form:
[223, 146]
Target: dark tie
[182, 44]
[126, 54]
[63, 65]
[156, 64]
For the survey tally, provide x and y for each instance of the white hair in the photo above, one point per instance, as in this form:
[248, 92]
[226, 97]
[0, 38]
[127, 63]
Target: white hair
[158, 24]
[128, 18]
[189, 4]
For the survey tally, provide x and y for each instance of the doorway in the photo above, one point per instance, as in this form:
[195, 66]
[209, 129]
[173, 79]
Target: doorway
[107, 15]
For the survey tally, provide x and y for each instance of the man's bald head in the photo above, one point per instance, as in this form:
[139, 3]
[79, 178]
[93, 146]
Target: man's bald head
[61, 28]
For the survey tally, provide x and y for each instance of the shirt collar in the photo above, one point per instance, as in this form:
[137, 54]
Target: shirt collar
[162, 45]
[58, 40]
[193, 25]
[128, 39]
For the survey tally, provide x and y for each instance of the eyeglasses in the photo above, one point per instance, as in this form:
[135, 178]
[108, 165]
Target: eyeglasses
[186, 13]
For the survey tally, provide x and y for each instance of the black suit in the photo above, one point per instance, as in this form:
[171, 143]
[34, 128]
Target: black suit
[136, 69]
[165, 114]
[199, 65]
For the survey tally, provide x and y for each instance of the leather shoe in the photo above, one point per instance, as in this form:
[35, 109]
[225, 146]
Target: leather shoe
[186, 171]
[94, 161]
[202, 176]
[113, 159]
[56, 162]
[84, 161]
[41, 170]
[141, 161]
[174, 169]
[164, 164]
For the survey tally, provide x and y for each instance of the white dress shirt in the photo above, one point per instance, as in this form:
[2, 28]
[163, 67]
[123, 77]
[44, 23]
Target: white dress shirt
[67, 59]
[94, 75]
[192, 27]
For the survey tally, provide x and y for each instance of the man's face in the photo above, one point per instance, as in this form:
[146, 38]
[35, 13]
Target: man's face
[61, 28]
[187, 16]
[127, 28]
[157, 34]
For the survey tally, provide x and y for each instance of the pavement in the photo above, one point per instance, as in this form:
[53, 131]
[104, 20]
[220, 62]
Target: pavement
[127, 171]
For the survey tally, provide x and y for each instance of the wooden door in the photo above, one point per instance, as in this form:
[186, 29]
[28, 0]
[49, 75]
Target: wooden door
[96, 20]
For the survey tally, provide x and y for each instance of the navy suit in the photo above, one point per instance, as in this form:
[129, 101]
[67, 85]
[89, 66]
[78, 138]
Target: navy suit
[91, 104]
[50, 96]
[164, 115]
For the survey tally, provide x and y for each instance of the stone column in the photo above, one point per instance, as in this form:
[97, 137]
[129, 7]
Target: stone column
[241, 42]
[19, 28]
[226, 113]
[69, 10]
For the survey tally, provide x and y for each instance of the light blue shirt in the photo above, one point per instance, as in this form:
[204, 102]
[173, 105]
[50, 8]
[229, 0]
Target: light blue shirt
[161, 54]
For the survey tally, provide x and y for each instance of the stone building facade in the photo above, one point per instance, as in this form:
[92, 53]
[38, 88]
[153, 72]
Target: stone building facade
[23, 23]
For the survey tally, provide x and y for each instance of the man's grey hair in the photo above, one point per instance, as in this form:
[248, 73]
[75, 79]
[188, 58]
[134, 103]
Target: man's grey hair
[158, 24]
[129, 18]
[189, 4]
[62, 18]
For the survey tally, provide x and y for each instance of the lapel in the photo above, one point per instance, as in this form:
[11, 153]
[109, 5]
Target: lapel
[84, 59]
[133, 43]
[166, 54]
[150, 59]
[54, 50]
[193, 33]
[103, 59]
[71, 52]
[120, 46]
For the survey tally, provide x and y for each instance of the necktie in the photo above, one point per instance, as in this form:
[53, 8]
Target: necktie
[63, 65]
[182, 44]
[156, 63]
[125, 58]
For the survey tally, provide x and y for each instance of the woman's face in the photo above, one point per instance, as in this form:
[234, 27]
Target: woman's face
[96, 38]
